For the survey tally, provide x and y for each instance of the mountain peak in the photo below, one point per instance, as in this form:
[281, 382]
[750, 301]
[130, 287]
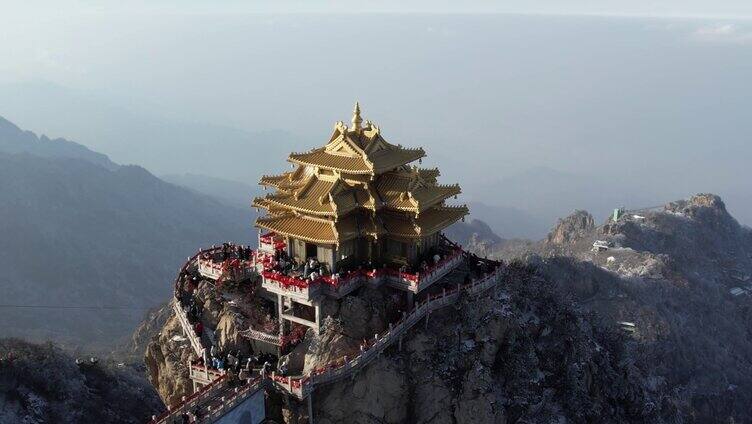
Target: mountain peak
[571, 228]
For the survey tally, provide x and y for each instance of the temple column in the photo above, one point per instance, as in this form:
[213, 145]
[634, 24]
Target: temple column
[334, 259]
[410, 299]
[310, 408]
[317, 308]
[280, 308]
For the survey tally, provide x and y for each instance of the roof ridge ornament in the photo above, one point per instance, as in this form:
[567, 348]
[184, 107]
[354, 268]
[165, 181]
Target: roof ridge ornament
[356, 119]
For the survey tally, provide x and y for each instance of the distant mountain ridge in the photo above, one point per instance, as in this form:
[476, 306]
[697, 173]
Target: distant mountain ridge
[234, 193]
[16, 140]
[81, 231]
[135, 134]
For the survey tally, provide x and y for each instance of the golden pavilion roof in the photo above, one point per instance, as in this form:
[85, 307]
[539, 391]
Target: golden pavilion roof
[319, 197]
[358, 151]
[358, 184]
[408, 191]
[432, 220]
[321, 230]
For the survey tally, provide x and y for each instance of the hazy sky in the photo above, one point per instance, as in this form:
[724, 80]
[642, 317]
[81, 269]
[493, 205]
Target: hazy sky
[706, 8]
[653, 108]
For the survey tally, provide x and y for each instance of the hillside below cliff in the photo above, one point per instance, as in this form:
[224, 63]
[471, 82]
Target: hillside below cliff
[39, 383]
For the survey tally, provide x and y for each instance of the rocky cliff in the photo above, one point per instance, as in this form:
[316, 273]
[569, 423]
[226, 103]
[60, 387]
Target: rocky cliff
[519, 354]
[678, 278]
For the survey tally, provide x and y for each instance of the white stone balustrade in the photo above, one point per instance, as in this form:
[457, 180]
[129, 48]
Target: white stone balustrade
[261, 336]
[216, 270]
[190, 334]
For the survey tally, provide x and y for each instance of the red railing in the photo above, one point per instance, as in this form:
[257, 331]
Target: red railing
[340, 283]
[271, 241]
[188, 400]
[208, 373]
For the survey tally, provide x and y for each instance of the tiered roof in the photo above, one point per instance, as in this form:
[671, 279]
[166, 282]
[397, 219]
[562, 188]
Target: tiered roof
[357, 185]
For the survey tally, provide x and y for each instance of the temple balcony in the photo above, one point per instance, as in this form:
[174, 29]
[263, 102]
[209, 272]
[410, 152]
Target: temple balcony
[340, 285]
[229, 269]
[425, 278]
[302, 290]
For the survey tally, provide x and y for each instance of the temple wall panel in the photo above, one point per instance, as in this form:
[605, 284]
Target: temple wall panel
[325, 254]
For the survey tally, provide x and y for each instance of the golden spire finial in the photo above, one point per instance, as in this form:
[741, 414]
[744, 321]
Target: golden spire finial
[356, 119]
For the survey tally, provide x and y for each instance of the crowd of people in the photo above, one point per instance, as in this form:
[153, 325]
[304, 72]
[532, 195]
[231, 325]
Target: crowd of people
[310, 269]
[230, 251]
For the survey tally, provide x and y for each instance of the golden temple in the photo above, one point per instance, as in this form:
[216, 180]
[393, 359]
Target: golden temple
[358, 199]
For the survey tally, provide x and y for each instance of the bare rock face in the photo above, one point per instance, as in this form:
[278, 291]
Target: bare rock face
[228, 331]
[377, 395]
[359, 318]
[166, 360]
[329, 346]
[571, 228]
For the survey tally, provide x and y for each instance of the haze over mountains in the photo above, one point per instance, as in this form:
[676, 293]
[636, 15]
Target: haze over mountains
[89, 245]
[549, 113]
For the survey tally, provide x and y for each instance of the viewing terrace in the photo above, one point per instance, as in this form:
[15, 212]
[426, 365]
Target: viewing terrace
[283, 276]
[227, 263]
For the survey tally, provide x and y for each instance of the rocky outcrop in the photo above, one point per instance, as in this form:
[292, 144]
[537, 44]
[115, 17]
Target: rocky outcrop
[670, 272]
[168, 353]
[571, 228]
[166, 360]
[358, 318]
[43, 384]
[132, 352]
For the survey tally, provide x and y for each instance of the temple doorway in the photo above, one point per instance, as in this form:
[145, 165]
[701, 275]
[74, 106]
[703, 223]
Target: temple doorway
[310, 251]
